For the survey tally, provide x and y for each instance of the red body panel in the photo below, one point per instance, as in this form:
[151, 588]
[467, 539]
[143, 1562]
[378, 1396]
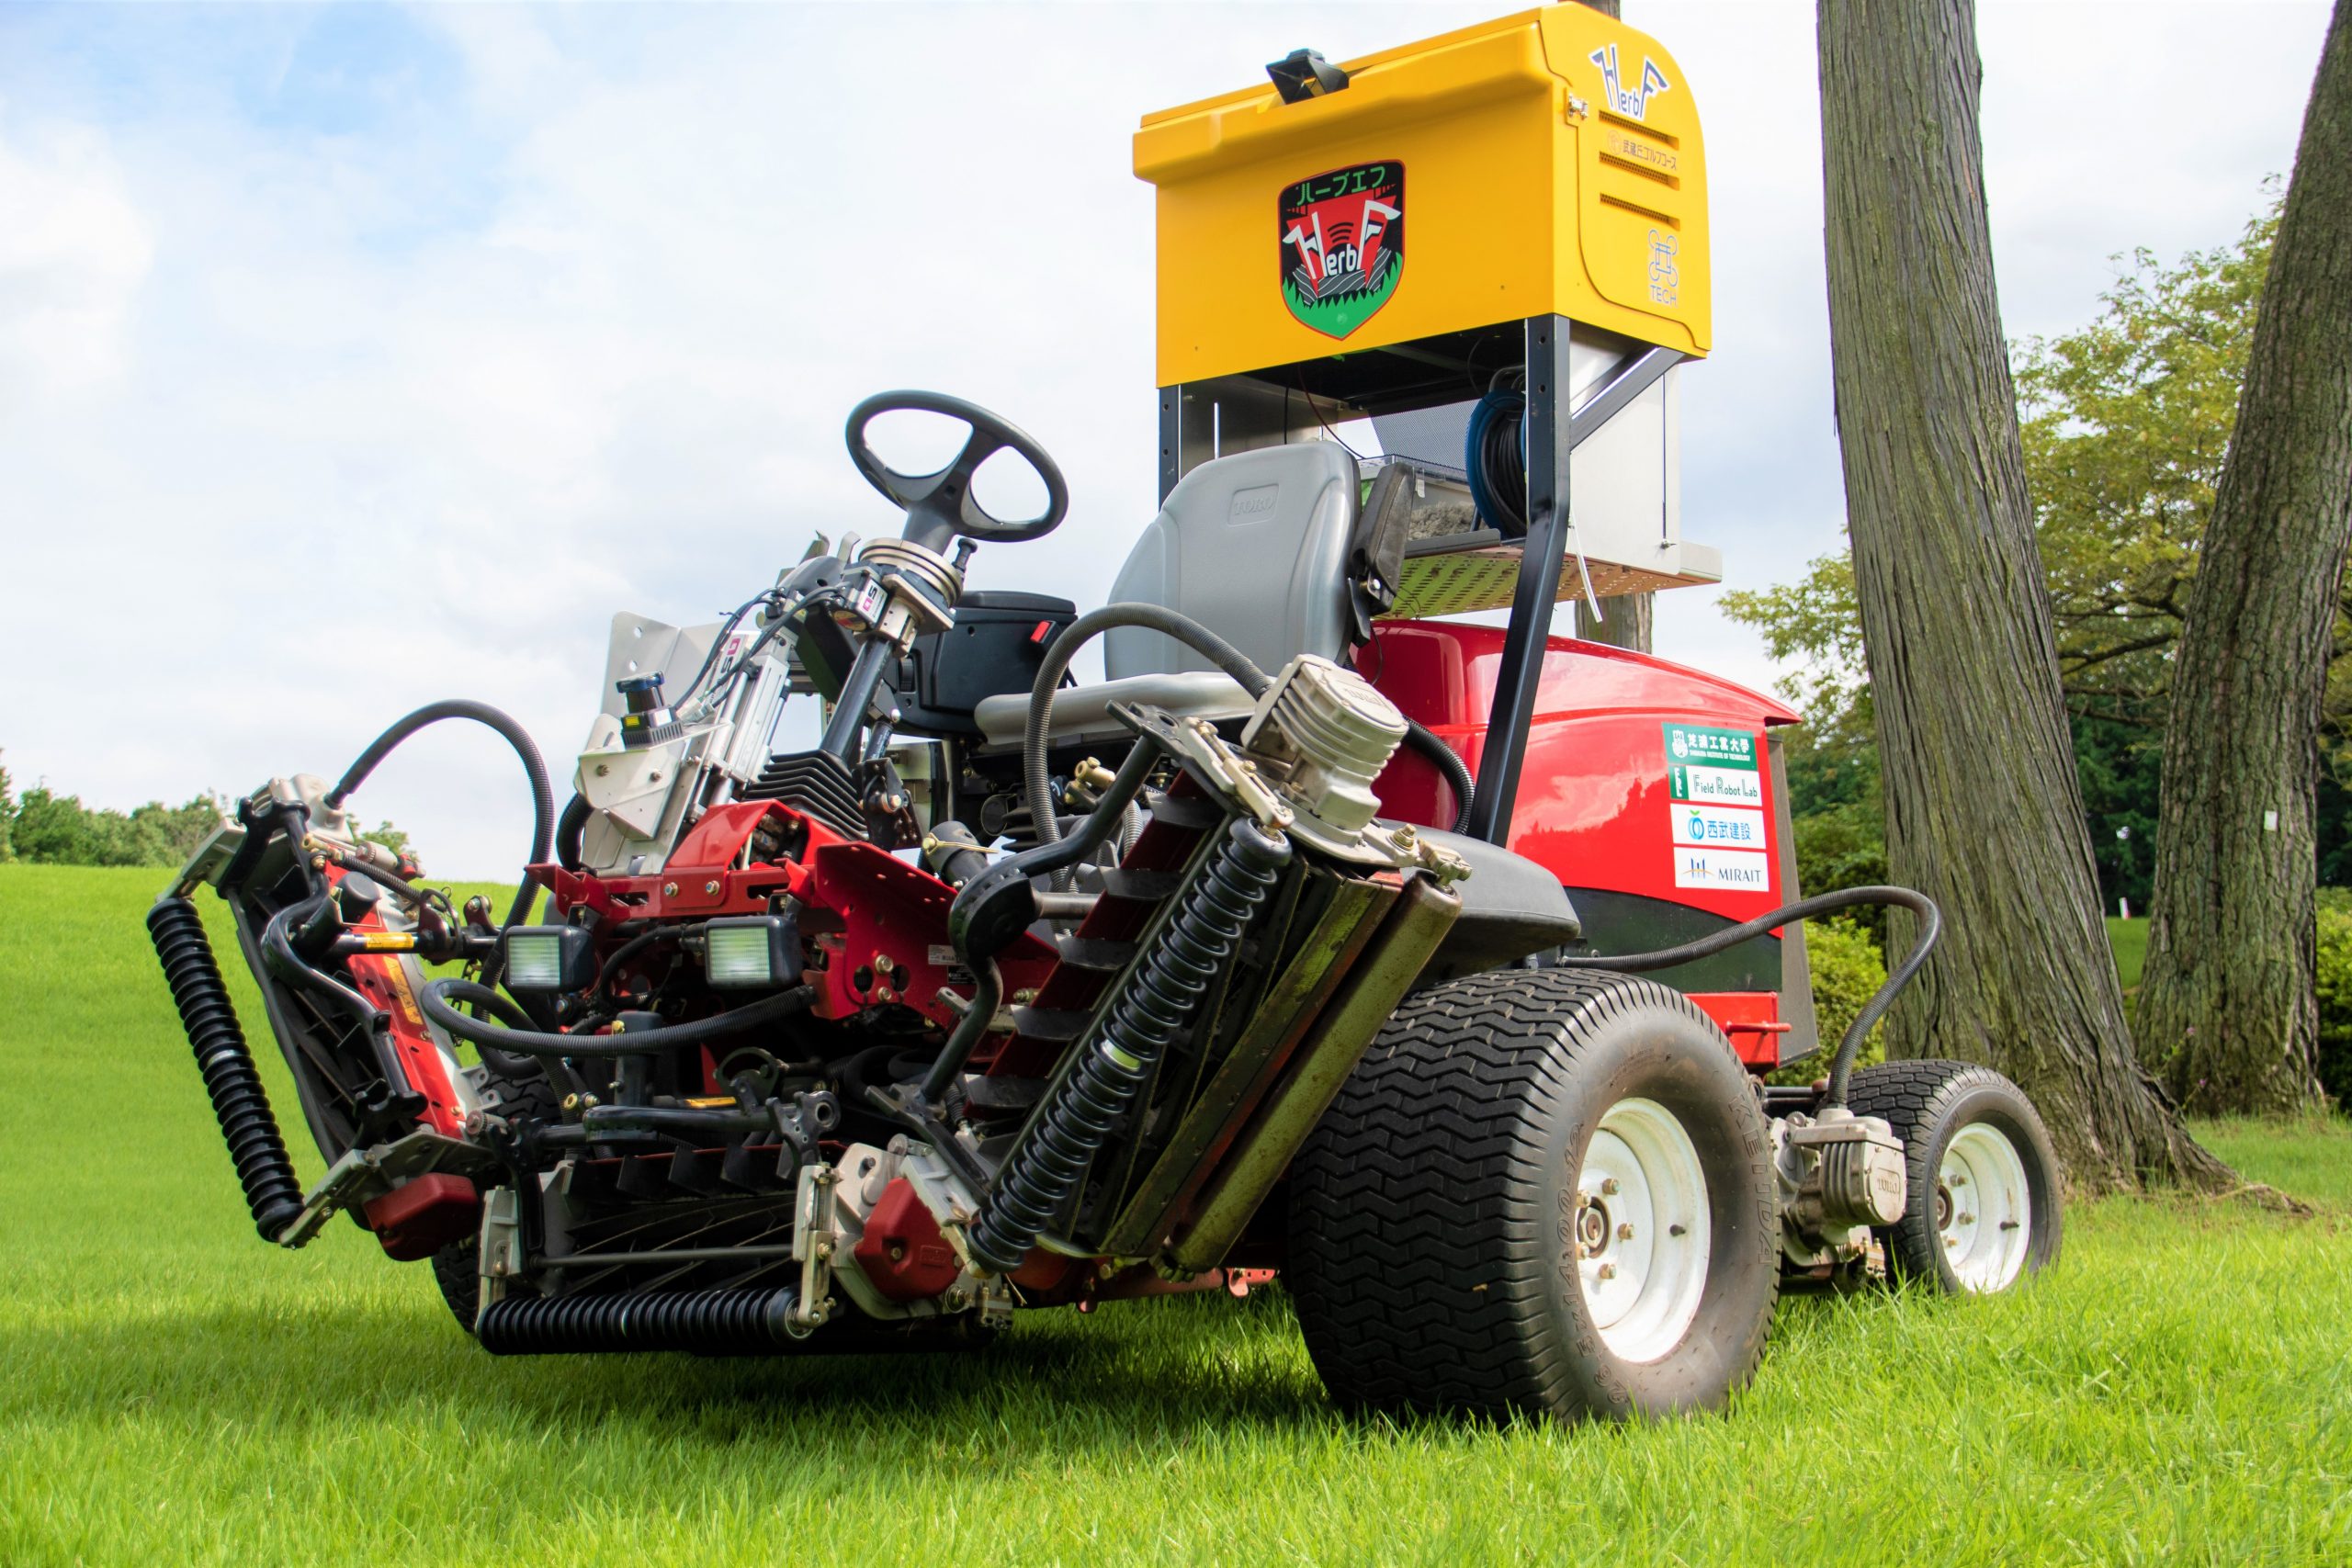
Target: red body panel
[1595, 807]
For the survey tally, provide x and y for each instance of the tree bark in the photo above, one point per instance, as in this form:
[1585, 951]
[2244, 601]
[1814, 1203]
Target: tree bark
[1983, 812]
[1625, 621]
[2227, 1003]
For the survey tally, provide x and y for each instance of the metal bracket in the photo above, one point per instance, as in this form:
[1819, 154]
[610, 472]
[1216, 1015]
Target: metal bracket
[362, 1173]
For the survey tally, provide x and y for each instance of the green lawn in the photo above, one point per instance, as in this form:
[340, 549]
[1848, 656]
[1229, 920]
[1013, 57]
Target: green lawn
[2130, 940]
[2179, 1388]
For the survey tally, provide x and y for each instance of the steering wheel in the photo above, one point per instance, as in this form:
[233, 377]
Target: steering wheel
[940, 506]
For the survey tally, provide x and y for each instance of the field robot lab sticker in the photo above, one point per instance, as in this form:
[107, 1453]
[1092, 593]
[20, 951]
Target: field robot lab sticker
[1716, 797]
[1342, 245]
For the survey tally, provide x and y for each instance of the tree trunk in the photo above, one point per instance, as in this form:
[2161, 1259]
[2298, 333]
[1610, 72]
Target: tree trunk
[1984, 813]
[2227, 1004]
[1624, 621]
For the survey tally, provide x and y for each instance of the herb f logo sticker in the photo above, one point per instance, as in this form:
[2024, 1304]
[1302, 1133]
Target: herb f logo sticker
[1633, 102]
[1342, 245]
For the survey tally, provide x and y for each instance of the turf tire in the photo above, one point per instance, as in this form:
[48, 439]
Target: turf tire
[457, 1269]
[1928, 1103]
[1432, 1212]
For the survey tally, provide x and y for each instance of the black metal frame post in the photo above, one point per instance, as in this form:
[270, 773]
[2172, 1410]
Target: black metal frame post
[1550, 440]
[1539, 579]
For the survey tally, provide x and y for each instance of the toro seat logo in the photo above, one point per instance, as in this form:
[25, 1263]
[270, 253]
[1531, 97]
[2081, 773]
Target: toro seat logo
[1342, 245]
[1633, 102]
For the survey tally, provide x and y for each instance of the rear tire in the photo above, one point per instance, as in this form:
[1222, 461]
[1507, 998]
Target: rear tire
[1435, 1225]
[1983, 1209]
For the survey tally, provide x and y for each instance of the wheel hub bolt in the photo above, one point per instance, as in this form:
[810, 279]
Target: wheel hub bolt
[1624, 1233]
[1609, 1270]
[1608, 1188]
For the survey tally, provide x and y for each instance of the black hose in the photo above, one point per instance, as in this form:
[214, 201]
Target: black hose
[239, 1103]
[1447, 761]
[434, 999]
[506, 1064]
[1841, 1067]
[568, 830]
[1036, 783]
[542, 795]
[988, 995]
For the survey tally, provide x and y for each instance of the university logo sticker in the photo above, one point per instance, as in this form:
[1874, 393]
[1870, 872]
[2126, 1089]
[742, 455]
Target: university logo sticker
[1342, 245]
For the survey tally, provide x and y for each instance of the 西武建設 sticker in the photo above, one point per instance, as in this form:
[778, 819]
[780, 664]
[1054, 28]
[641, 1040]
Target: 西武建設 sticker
[1716, 801]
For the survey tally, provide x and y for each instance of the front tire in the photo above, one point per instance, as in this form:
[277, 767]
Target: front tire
[1983, 1209]
[1545, 1193]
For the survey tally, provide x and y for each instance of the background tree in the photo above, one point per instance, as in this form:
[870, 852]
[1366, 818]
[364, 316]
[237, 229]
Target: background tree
[2227, 1001]
[2125, 425]
[1982, 809]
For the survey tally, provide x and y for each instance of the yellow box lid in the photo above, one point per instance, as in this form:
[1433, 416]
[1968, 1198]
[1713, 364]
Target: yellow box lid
[1548, 162]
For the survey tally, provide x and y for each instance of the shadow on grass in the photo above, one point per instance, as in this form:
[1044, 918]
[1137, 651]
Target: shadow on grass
[278, 1363]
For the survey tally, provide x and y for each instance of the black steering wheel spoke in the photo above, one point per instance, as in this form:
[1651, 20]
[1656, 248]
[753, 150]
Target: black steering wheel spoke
[941, 505]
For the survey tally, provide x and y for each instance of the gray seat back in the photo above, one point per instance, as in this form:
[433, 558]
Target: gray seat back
[1255, 548]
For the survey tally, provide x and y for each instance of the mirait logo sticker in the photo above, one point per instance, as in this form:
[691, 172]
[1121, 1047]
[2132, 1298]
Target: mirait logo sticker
[1342, 245]
[1633, 102]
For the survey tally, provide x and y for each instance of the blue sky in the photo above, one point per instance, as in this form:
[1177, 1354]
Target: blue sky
[352, 356]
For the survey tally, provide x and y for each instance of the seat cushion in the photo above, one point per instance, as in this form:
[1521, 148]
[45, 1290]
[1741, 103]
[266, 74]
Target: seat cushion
[1083, 712]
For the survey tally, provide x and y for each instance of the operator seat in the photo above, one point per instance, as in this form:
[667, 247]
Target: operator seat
[1256, 548]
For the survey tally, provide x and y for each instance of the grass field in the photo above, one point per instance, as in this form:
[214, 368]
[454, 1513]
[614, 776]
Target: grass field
[2178, 1389]
[2129, 941]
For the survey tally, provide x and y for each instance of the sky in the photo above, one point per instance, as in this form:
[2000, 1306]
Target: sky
[357, 356]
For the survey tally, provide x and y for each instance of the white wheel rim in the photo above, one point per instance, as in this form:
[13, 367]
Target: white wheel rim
[1984, 1208]
[1640, 1233]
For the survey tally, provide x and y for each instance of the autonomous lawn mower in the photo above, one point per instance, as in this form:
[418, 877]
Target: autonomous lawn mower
[1433, 964]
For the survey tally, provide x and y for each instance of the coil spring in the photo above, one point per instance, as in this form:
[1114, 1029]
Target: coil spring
[239, 1103]
[709, 1323]
[1116, 1061]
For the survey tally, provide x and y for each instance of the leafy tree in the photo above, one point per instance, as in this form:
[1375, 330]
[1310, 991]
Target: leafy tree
[7, 816]
[384, 833]
[2124, 426]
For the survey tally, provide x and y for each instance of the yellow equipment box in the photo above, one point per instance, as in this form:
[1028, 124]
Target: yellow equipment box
[1547, 162]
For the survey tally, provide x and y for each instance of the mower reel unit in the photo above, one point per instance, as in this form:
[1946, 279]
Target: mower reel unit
[1312, 940]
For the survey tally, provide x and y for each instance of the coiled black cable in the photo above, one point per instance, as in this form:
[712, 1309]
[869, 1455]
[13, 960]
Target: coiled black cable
[1113, 1065]
[1495, 457]
[239, 1103]
[1841, 1066]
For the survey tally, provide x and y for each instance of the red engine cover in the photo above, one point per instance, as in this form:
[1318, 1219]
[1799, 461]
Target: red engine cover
[902, 1252]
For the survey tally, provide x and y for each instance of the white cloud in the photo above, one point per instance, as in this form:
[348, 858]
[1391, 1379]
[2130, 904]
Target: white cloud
[351, 359]
[73, 252]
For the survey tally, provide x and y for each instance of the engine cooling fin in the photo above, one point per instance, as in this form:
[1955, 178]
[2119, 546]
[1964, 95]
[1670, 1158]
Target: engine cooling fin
[815, 783]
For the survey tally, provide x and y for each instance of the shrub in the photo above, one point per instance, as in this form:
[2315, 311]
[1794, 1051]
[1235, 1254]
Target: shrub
[2335, 976]
[1847, 973]
[57, 829]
